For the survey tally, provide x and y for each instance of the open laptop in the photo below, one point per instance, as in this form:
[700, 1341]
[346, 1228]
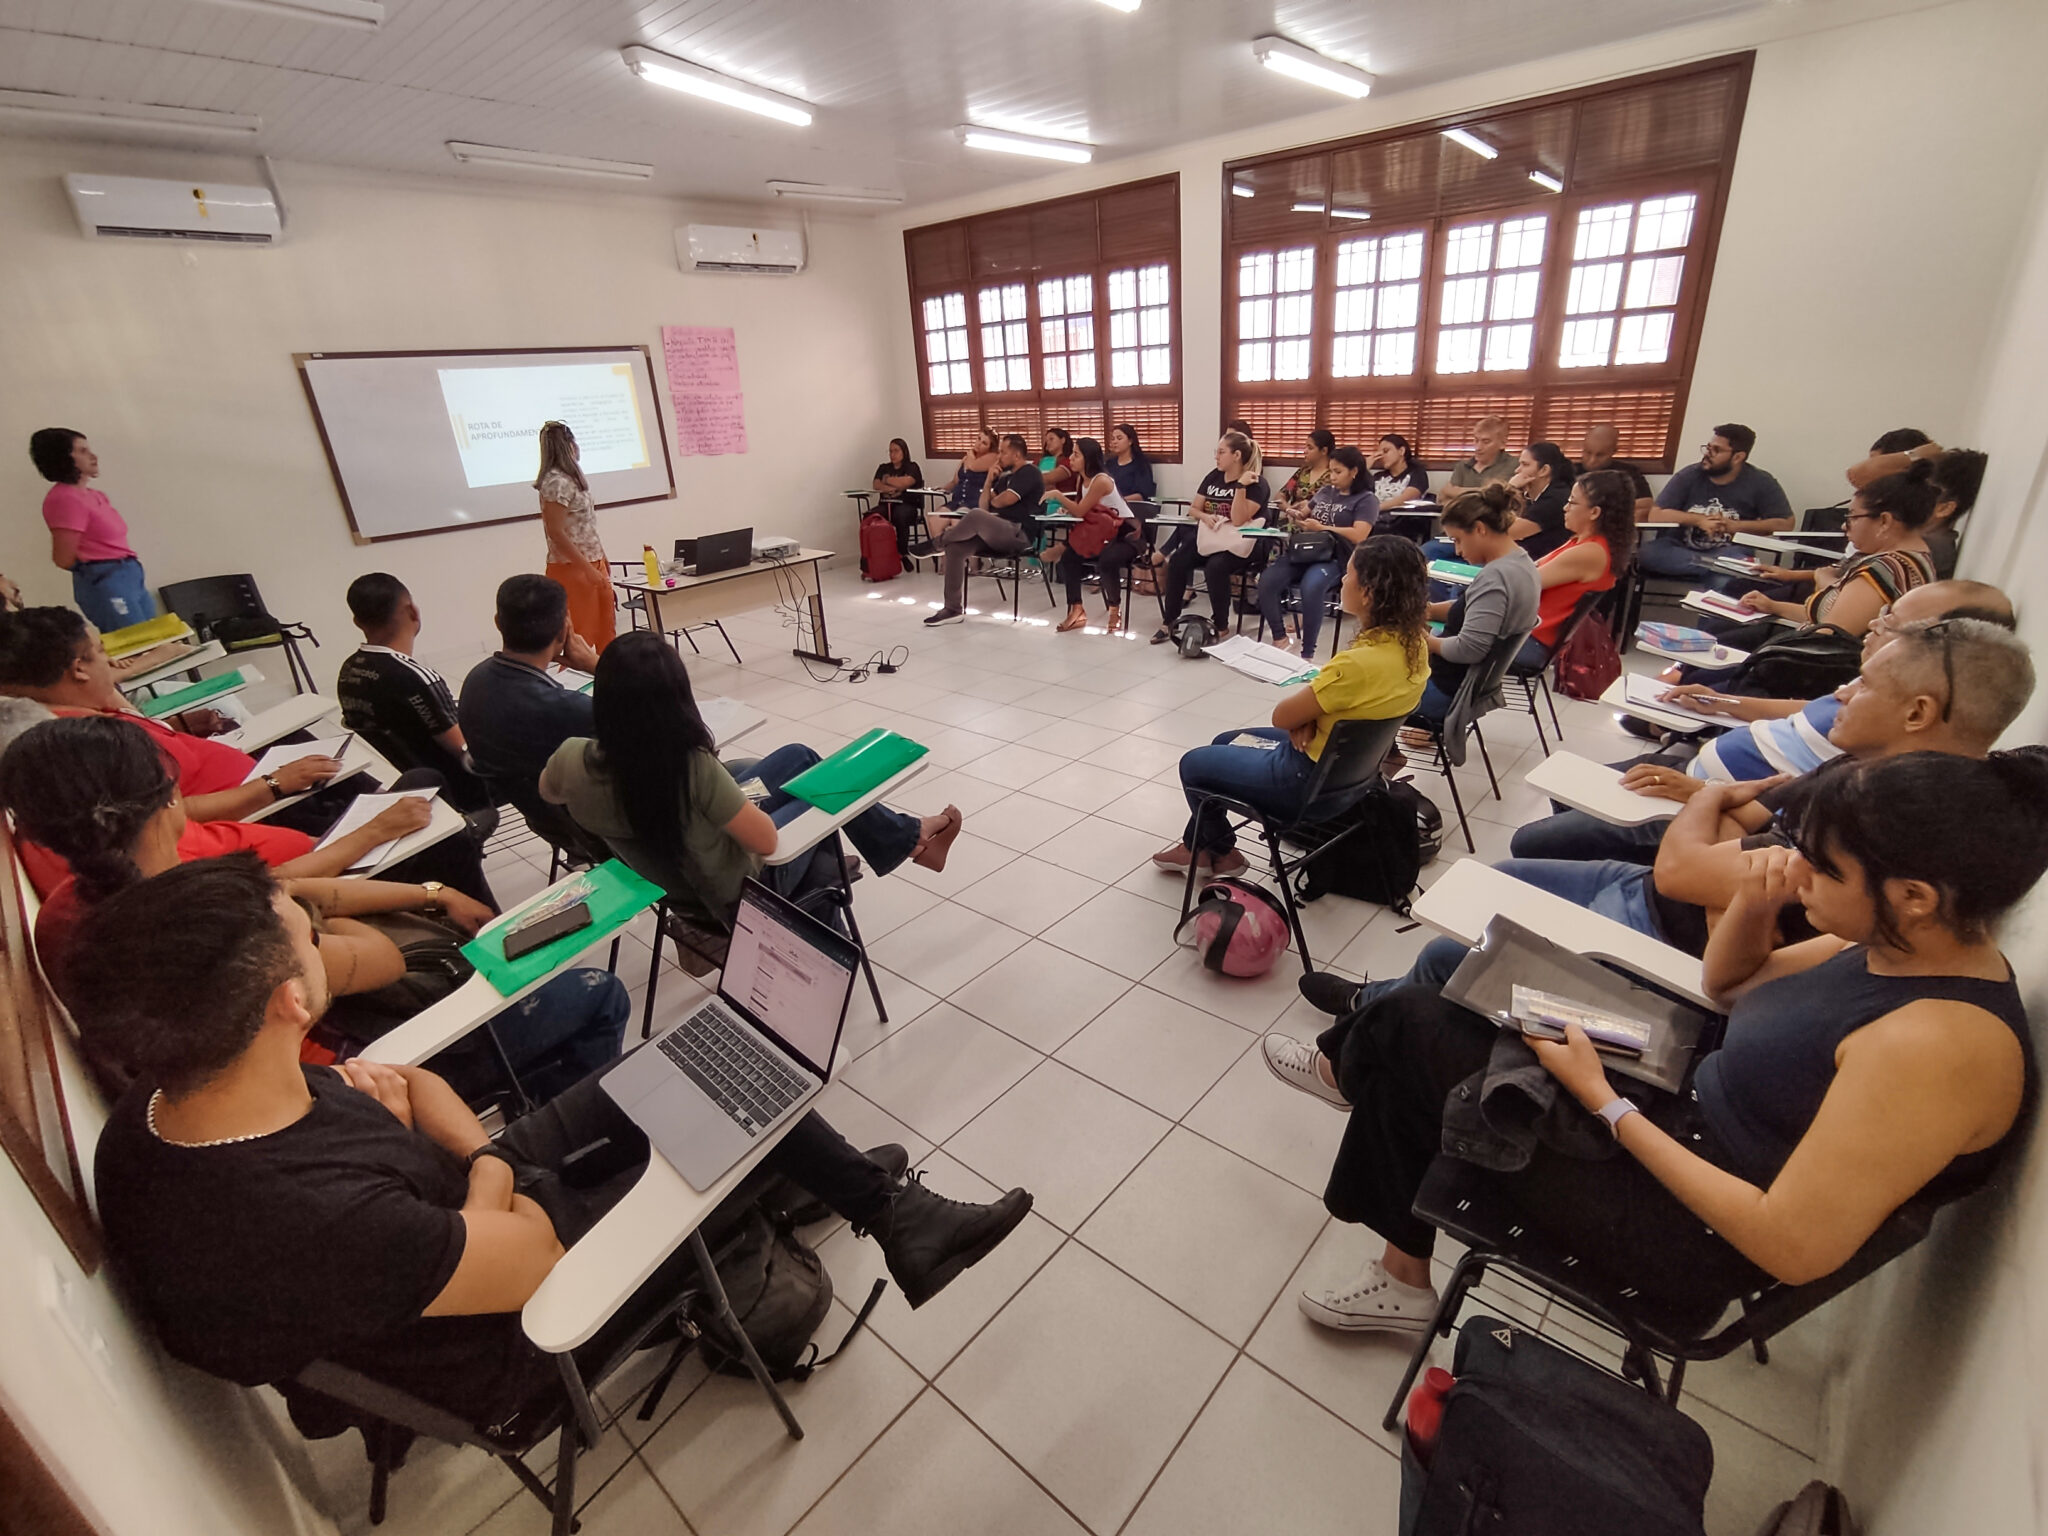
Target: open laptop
[714, 552]
[707, 1089]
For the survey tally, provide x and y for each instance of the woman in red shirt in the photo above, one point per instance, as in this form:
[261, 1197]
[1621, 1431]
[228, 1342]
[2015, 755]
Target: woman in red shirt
[1600, 515]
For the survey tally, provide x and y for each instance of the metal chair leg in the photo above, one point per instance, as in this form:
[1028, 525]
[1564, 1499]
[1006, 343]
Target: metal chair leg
[1550, 698]
[1439, 1327]
[1286, 880]
[722, 1310]
[1486, 758]
[653, 977]
[853, 931]
[720, 627]
[1457, 800]
[612, 964]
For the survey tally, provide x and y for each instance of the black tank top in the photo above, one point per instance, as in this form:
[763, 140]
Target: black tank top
[1761, 1090]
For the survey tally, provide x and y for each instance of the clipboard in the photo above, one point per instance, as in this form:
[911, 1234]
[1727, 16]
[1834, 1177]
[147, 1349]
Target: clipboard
[837, 781]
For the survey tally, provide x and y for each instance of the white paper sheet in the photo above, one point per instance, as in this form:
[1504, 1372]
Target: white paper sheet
[1267, 663]
[1645, 692]
[360, 811]
[292, 751]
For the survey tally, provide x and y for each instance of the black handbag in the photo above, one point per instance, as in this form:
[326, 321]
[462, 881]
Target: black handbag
[1312, 546]
[1812, 660]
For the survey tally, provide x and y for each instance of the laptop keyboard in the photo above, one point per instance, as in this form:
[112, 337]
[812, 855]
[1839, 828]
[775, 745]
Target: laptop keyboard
[747, 1081]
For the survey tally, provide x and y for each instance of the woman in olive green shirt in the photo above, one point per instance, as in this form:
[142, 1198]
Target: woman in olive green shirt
[651, 786]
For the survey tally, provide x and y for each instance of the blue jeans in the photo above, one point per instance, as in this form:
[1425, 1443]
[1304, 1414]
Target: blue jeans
[1575, 837]
[1435, 703]
[568, 1028]
[883, 837]
[1317, 581]
[1275, 781]
[112, 593]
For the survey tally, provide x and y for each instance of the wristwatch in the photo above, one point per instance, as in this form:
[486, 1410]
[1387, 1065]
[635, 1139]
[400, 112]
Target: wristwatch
[433, 888]
[1614, 1111]
[490, 1149]
[276, 789]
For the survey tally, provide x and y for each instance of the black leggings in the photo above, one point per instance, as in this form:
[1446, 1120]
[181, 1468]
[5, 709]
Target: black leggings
[1110, 565]
[1218, 569]
[1399, 1058]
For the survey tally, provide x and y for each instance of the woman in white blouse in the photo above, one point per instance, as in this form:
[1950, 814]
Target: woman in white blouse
[575, 553]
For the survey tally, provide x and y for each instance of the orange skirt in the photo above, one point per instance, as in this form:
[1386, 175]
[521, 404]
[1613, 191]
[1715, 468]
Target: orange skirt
[590, 603]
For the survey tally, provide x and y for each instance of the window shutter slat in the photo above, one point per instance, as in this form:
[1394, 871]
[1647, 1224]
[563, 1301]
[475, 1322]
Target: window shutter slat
[1279, 424]
[1642, 416]
[951, 428]
[1063, 237]
[1137, 222]
[1446, 430]
[1288, 198]
[1527, 141]
[1669, 126]
[1158, 424]
[1393, 179]
[1000, 244]
[1363, 422]
[938, 257]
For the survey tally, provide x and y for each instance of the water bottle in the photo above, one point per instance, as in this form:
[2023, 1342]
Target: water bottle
[653, 562]
[1426, 1411]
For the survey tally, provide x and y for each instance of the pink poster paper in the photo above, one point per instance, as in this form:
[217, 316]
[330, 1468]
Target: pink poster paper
[704, 387]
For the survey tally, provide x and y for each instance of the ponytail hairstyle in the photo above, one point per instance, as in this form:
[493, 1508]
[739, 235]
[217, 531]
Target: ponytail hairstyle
[1091, 458]
[1974, 829]
[648, 728]
[1907, 498]
[557, 451]
[1256, 463]
[1613, 496]
[1246, 450]
[1552, 458]
[1396, 582]
[1493, 506]
[85, 787]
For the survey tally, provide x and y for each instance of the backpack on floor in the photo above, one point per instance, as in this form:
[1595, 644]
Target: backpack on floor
[880, 560]
[1195, 635]
[1237, 928]
[780, 1291]
[1536, 1442]
[1393, 833]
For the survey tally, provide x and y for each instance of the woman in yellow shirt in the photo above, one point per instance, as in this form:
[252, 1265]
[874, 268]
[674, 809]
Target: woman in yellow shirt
[1380, 675]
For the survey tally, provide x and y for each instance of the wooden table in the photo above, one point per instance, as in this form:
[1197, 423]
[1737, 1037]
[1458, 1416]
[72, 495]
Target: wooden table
[683, 603]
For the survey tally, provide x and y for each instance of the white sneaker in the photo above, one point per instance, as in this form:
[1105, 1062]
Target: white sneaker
[1294, 1063]
[1374, 1302]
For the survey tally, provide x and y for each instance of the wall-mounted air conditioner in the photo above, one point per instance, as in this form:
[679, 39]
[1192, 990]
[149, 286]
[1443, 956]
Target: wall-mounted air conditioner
[713, 248]
[146, 209]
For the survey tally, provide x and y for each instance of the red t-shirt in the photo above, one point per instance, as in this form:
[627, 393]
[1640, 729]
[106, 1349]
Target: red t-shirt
[51, 875]
[204, 767]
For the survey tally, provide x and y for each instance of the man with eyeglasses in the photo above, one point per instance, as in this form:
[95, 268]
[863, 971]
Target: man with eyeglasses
[1711, 500]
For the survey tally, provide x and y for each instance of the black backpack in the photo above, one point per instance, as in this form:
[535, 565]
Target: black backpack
[1807, 663]
[1196, 635]
[1536, 1442]
[1393, 833]
[780, 1291]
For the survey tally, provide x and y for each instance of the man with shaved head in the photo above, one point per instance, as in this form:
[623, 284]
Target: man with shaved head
[1603, 440]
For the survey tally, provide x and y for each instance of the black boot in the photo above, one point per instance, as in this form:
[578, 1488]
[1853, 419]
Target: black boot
[800, 1208]
[928, 1239]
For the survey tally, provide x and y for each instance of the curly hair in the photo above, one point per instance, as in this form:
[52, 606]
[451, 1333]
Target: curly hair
[1614, 498]
[1395, 579]
[1494, 505]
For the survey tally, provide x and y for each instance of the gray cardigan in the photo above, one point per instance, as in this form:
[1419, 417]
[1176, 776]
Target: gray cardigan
[1500, 601]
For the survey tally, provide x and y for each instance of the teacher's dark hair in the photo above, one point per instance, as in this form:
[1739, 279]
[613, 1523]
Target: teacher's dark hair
[50, 447]
[648, 729]
[1976, 830]
[531, 612]
[85, 788]
[185, 964]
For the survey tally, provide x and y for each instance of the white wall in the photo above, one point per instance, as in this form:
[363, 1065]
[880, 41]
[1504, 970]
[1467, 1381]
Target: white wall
[177, 361]
[1942, 1420]
[1871, 215]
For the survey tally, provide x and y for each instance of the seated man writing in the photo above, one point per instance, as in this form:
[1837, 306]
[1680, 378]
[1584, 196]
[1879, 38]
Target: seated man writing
[268, 1214]
[1887, 1056]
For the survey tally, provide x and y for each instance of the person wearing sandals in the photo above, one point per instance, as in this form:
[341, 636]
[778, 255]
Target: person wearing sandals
[1379, 676]
[652, 788]
[1343, 508]
[1107, 534]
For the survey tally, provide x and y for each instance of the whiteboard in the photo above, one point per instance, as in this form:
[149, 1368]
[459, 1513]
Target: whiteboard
[426, 442]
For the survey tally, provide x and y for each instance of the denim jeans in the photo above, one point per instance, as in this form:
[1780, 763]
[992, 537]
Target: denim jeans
[112, 593]
[1316, 581]
[883, 837]
[1275, 781]
[575, 1024]
[1573, 836]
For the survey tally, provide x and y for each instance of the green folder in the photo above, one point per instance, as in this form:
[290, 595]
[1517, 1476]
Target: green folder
[187, 698]
[618, 895]
[1452, 568]
[839, 780]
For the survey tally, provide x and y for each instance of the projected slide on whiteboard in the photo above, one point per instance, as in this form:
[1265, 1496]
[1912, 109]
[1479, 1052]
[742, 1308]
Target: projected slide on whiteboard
[497, 413]
[427, 442]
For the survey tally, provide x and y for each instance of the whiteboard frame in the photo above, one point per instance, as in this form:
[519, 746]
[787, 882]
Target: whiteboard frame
[300, 359]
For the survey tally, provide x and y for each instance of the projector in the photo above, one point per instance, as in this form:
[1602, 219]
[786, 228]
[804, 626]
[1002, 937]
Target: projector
[775, 546]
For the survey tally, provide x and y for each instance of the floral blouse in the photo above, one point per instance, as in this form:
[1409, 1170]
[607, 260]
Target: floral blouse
[581, 525]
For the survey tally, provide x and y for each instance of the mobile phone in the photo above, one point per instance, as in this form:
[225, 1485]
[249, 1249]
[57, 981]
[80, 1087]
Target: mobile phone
[528, 937]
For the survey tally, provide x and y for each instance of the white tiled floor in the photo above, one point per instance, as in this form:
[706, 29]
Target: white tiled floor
[1132, 1359]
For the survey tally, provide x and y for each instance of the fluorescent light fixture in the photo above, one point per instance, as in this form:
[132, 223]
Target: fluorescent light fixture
[1349, 213]
[1123, 5]
[1239, 189]
[1546, 181]
[97, 113]
[364, 15]
[1310, 67]
[1308, 208]
[1473, 142]
[1024, 144]
[535, 160]
[816, 192]
[696, 80]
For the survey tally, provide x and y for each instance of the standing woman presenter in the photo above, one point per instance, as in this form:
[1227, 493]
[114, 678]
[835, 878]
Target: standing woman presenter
[575, 553]
[88, 537]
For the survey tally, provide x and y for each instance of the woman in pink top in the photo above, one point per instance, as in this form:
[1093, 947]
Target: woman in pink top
[88, 537]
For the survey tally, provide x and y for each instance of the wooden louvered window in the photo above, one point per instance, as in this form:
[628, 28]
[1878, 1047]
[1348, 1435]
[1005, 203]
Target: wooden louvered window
[1060, 314]
[1546, 262]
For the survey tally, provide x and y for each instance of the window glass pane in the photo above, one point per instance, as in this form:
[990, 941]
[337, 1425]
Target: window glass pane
[1254, 362]
[1593, 288]
[1357, 262]
[1586, 343]
[1666, 222]
[1653, 282]
[1255, 273]
[1514, 296]
[1521, 241]
[934, 313]
[1602, 231]
[1020, 373]
[1123, 369]
[1290, 360]
[1297, 270]
[1056, 372]
[1013, 302]
[1401, 258]
[1158, 365]
[1153, 327]
[1507, 347]
[1464, 300]
[1457, 351]
[1123, 289]
[1052, 335]
[1470, 249]
[1081, 333]
[963, 378]
[1400, 306]
[1050, 299]
[938, 379]
[956, 309]
[991, 301]
[1354, 310]
[1082, 368]
[1123, 330]
[1394, 354]
[1291, 315]
[1643, 338]
[1080, 295]
[1351, 357]
[1152, 285]
[1254, 318]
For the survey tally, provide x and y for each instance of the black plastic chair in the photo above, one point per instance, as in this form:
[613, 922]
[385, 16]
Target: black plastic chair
[1348, 770]
[1454, 1200]
[1482, 682]
[230, 609]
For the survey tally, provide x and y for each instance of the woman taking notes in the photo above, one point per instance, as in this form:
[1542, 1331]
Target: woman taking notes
[88, 537]
[575, 553]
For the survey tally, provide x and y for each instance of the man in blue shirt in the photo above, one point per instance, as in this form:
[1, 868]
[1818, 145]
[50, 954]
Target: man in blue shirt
[1712, 498]
[514, 711]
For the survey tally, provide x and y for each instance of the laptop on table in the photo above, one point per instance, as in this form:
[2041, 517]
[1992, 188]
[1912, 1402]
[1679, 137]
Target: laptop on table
[707, 1089]
[715, 552]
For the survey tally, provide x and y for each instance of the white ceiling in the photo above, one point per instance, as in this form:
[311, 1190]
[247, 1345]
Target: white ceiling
[890, 79]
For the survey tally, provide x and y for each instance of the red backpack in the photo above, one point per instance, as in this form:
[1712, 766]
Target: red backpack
[879, 558]
[1588, 661]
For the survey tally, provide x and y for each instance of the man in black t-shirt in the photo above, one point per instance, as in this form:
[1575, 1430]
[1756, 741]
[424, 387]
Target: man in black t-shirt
[1723, 492]
[1001, 525]
[1602, 439]
[267, 1214]
[397, 704]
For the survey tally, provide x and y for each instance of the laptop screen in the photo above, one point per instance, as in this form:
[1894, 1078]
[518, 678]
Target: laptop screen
[790, 974]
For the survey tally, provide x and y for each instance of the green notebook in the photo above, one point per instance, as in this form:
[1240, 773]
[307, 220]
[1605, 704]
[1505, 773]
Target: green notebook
[839, 780]
[198, 693]
[617, 896]
[1452, 568]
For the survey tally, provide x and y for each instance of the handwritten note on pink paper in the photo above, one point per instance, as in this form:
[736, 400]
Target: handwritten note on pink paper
[704, 386]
